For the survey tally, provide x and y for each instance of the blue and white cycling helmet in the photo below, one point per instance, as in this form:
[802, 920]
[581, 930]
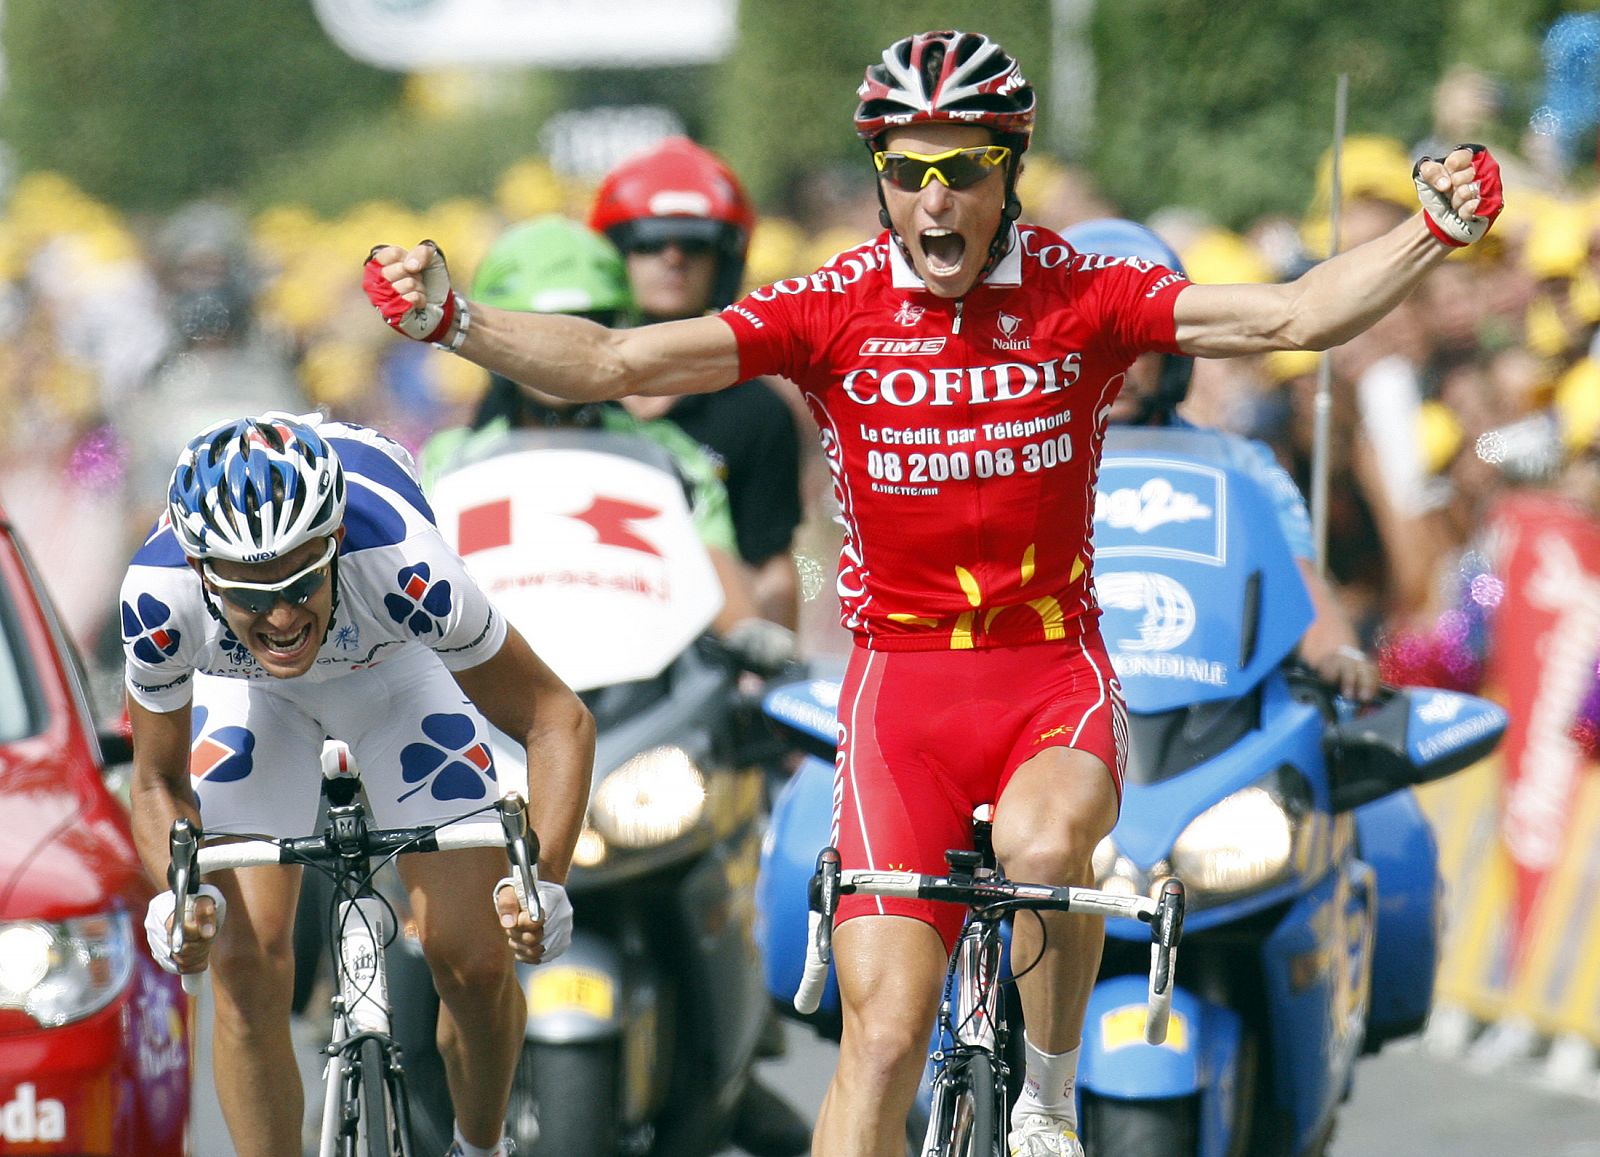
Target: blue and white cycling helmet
[252, 489]
[1116, 237]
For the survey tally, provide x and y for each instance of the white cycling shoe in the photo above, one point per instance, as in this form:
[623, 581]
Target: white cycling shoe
[505, 1149]
[1041, 1135]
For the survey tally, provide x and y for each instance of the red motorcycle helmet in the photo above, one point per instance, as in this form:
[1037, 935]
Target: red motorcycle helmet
[678, 191]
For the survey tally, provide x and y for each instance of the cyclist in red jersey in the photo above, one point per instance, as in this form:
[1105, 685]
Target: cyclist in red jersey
[960, 367]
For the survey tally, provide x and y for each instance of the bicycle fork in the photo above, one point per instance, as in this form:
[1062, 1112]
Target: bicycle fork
[362, 1007]
[970, 1019]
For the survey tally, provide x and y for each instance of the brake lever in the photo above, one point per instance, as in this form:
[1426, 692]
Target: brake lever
[522, 842]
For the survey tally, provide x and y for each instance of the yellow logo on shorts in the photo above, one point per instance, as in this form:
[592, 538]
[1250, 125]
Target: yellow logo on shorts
[1064, 729]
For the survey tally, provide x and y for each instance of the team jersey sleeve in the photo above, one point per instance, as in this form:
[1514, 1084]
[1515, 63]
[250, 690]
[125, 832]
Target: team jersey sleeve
[431, 598]
[776, 325]
[157, 644]
[1135, 300]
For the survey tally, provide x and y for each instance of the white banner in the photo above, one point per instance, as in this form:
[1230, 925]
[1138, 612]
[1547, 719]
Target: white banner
[408, 35]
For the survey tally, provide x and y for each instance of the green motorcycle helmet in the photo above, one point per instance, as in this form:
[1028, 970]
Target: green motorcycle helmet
[554, 264]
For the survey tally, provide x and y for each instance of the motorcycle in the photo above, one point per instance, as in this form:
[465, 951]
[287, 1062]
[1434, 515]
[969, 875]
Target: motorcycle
[641, 1038]
[1313, 927]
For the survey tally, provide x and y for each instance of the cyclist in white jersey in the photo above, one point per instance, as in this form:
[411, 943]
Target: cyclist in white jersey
[298, 589]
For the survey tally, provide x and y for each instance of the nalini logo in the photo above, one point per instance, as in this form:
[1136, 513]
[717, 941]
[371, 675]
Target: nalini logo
[26, 1118]
[1009, 324]
[909, 314]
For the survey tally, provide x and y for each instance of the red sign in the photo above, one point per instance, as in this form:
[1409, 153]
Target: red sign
[1546, 636]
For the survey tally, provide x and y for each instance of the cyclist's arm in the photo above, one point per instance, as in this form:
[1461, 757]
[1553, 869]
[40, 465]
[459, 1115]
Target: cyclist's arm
[580, 360]
[1328, 305]
[524, 698]
[160, 791]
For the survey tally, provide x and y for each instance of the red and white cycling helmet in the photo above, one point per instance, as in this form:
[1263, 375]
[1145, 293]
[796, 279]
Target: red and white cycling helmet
[678, 191]
[252, 489]
[946, 77]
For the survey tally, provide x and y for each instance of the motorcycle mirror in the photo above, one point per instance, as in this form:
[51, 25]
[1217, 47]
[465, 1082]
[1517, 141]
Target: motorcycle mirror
[1415, 736]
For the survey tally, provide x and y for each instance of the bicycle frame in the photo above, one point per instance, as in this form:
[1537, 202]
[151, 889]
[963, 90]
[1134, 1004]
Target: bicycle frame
[364, 927]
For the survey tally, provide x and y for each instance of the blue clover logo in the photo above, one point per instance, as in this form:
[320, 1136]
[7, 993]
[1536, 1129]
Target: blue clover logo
[421, 603]
[225, 755]
[236, 652]
[145, 630]
[454, 765]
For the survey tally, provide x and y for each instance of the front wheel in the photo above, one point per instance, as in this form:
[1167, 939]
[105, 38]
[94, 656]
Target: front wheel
[966, 1109]
[570, 1090]
[1165, 1128]
[378, 1127]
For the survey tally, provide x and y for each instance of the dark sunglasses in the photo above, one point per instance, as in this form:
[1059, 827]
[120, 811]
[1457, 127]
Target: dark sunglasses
[956, 169]
[259, 598]
[688, 246]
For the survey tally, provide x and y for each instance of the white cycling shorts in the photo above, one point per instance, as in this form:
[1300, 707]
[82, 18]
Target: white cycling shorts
[421, 746]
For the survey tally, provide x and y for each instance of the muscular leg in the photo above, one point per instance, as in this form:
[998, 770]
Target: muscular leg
[889, 973]
[1057, 807]
[481, 1011]
[252, 979]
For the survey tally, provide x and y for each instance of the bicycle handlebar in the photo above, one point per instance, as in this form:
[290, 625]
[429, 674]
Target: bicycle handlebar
[251, 853]
[191, 860]
[1164, 915]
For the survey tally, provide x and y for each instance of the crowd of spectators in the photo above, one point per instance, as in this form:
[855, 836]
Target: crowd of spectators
[131, 333]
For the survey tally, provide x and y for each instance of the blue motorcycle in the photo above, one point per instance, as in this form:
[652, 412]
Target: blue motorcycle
[1312, 932]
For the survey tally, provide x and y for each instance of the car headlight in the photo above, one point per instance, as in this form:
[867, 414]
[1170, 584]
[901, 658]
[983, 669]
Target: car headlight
[58, 973]
[1247, 842]
[652, 799]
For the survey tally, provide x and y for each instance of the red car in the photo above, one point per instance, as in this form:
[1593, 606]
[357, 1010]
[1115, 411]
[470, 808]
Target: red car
[94, 1037]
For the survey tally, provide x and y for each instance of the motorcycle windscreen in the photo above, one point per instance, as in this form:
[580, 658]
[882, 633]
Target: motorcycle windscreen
[1200, 595]
[592, 555]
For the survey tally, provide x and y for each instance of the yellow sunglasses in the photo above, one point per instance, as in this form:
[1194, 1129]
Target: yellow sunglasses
[956, 169]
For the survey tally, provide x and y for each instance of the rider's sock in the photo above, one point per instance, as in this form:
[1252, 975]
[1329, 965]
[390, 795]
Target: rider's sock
[468, 1149]
[1048, 1084]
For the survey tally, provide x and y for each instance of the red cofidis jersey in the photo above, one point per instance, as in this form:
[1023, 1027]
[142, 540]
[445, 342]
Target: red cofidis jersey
[963, 436]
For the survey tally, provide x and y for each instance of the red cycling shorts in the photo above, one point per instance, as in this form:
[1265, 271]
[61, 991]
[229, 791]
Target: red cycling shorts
[928, 736]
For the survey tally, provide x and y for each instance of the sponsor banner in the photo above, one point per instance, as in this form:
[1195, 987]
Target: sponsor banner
[1546, 635]
[410, 35]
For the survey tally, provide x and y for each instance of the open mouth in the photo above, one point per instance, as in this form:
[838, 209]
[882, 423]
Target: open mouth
[943, 249]
[284, 646]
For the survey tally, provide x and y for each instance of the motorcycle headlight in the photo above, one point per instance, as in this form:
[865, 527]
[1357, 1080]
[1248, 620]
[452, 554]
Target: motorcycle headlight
[654, 798]
[1247, 842]
[58, 973]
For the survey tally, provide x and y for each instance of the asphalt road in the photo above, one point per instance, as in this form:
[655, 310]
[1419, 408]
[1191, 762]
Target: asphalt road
[1406, 1101]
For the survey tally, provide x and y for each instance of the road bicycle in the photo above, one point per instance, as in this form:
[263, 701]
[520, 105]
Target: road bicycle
[967, 1114]
[366, 1110]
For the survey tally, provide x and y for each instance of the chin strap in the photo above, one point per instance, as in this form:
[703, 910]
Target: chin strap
[333, 611]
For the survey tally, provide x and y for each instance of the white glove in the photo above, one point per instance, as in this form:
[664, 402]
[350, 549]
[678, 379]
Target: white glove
[158, 923]
[557, 908]
[760, 644]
